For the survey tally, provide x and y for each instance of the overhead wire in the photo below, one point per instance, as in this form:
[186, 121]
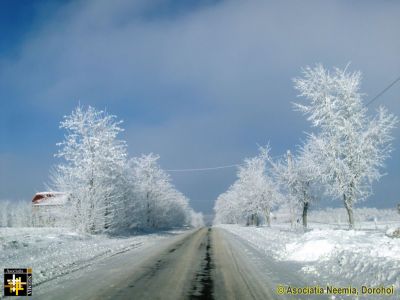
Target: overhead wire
[204, 169]
[383, 91]
[211, 168]
[238, 165]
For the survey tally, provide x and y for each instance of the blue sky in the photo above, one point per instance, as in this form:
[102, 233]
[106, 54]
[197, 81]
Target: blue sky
[199, 82]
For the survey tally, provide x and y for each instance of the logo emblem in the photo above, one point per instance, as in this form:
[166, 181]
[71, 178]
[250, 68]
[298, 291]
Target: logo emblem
[18, 282]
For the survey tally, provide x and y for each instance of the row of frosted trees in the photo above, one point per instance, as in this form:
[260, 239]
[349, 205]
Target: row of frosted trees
[15, 214]
[107, 191]
[340, 160]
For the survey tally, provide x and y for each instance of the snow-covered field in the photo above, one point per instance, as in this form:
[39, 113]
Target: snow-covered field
[365, 218]
[51, 252]
[328, 255]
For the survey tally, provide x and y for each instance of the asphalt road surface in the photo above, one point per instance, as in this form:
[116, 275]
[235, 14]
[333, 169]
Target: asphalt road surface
[203, 264]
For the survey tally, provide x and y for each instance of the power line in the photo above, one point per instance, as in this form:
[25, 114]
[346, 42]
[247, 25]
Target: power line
[238, 165]
[212, 168]
[204, 169]
[384, 90]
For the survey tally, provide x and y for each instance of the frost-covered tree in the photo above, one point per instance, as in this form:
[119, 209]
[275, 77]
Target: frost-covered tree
[3, 213]
[252, 195]
[106, 191]
[285, 176]
[150, 181]
[352, 146]
[299, 177]
[93, 169]
[227, 206]
[15, 214]
[161, 205]
[308, 185]
[258, 192]
[196, 219]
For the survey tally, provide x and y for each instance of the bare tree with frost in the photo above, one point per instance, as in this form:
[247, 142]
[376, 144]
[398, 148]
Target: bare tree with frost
[352, 146]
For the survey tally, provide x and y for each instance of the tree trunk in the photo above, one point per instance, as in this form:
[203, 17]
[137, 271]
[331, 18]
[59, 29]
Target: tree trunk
[257, 219]
[291, 211]
[349, 209]
[148, 210]
[268, 217]
[92, 216]
[106, 218]
[305, 210]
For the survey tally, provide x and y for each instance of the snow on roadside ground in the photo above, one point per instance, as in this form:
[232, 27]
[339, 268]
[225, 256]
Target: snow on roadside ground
[330, 256]
[55, 251]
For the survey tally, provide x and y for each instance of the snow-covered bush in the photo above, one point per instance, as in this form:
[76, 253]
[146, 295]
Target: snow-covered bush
[393, 232]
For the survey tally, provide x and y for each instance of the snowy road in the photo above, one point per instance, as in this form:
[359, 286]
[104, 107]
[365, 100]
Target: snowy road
[209, 263]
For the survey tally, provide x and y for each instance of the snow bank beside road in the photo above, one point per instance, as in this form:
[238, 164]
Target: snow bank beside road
[55, 251]
[309, 250]
[330, 256]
